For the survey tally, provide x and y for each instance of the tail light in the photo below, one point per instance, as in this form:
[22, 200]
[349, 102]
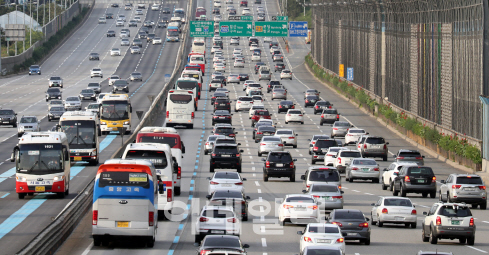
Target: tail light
[456, 186]
[438, 220]
[400, 158]
[407, 179]
[288, 114]
[384, 210]
[207, 143]
[337, 223]
[238, 183]
[259, 133]
[322, 115]
[314, 207]
[232, 135]
[151, 219]
[263, 144]
[376, 169]
[213, 183]
[341, 240]
[167, 114]
[267, 164]
[363, 225]
[414, 212]
[317, 106]
[335, 128]
[94, 217]
[482, 187]
[237, 155]
[232, 220]
[365, 146]
[338, 197]
[339, 160]
[354, 168]
[291, 165]
[279, 106]
[288, 206]
[337, 115]
[280, 145]
[307, 239]
[202, 252]
[168, 195]
[471, 222]
[179, 173]
[293, 107]
[300, 115]
[203, 219]
[213, 154]
[215, 117]
[316, 196]
[385, 146]
[228, 117]
[419, 157]
[329, 155]
[292, 137]
[434, 179]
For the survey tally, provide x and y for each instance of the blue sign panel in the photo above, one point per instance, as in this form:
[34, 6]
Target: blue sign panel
[349, 73]
[298, 28]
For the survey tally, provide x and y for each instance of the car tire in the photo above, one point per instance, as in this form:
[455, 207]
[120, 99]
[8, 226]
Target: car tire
[292, 178]
[381, 224]
[462, 240]
[198, 238]
[402, 192]
[14, 125]
[424, 194]
[376, 180]
[350, 179]
[211, 169]
[483, 205]
[21, 195]
[433, 194]
[367, 241]
[239, 169]
[265, 177]
[302, 123]
[471, 240]
[424, 237]
[433, 239]
[394, 191]
[286, 122]
[259, 154]
[383, 185]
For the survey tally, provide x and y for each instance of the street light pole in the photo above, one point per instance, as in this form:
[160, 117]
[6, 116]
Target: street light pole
[304, 7]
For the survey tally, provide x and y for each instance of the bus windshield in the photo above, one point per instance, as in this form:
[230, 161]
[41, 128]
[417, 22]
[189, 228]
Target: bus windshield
[171, 141]
[180, 99]
[195, 76]
[115, 110]
[157, 157]
[80, 133]
[124, 179]
[198, 59]
[172, 32]
[187, 85]
[40, 159]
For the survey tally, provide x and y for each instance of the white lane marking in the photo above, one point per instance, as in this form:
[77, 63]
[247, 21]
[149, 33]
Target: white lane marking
[355, 191]
[486, 222]
[262, 228]
[369, 194]
[479, 250]
[257, 184]
[259, 190]
[264, 242]
[87, 250]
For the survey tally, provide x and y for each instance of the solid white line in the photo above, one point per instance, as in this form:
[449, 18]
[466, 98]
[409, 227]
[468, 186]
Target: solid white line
[257, 184]
[264, 242]
[477, 249]
[87, 250]
[355, 191]
[369, 194]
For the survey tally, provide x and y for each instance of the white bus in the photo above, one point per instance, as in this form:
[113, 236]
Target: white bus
[198, 46]
[82, 129]
[190, 84]
[180, 108]
[42, 164]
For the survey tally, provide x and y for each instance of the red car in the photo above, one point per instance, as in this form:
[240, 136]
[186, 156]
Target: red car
[243, 3]
[260, 114]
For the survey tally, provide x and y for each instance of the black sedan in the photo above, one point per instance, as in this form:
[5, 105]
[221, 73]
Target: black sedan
[53, 93]
[88, 94]
[322, 105]
[222, 243]
[222, 78]
[285, 105]
[234, 198]
[115, 5]
[166, 10]
[222, 116]
[216, 95]
[111, 33]
[310, 101]
[243, 77]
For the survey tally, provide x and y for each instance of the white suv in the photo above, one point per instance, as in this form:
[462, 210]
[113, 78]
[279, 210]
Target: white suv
[466, 188]
[216, 220]
[243, 103]
[344, 157]
[449, 221]
[96, 72]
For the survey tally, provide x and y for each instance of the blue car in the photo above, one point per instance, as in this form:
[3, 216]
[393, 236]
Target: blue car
[35, 69]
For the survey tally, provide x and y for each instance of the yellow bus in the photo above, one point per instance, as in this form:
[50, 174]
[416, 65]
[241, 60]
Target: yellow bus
[115, 112]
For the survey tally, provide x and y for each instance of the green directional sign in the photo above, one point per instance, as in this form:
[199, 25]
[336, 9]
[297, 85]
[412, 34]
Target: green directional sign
[271, 28]
[236, 28]
[280, 18]
[201, 28]
[246, 17]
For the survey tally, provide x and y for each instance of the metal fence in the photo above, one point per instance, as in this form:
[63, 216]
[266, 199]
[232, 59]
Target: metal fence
[423, 56]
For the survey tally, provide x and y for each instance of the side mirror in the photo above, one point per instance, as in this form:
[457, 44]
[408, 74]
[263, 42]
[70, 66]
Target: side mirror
[208, 196]
[372, 204]
[303, 177]
[425, 213]
[352, 126]
[394, 156]
[387, 143]
[248, 197]
[239, 143]
[246, 246]
[209, 178]
[367, 219]
[309, 140]
[294, 159]
[241, 150]
[367, 133]
[262, 159]
[304, 191]
[443, 181]
[196, 244]
[347, 164]
[235, 133]
[385, 169]
[296, 134]
[300, 233]
[342, 192]
[244, 179]
[422, 156]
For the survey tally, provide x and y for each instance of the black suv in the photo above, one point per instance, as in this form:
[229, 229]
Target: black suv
[222, 116]
[279, 164]
[311, 101]
[279, 67]
[263, 131]
[8, 117]
[271, 84]
[222, 103]
[216, 95]
[272, 44]
[227, 131]
[285, 105]
[321, 148]
[257, 66]
[260, 124]
[222, 78]
[253, 40]
[322, 105]
[53, 93]
[232, 198]
[225, 156]
[415, 179]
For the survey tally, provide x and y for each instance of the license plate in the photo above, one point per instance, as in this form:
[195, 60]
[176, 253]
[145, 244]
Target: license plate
[351, 234]
[77, 158]
[217, 231]
[365, 169]
[300, 208]
[5, 122]
[226, 185]
[266, 133]
[398, 218]
[328, 198]
[323, 241]
[469, 189]
[226, 156]
[221, 118]
[455, 222]
[40, 183]
[40, 188]
[279, 165]
[421, 181]
[115, 123]
[179, 116]
[123, 224]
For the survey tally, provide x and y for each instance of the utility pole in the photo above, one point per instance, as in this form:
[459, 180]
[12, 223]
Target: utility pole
[30, 33]
[304, 7]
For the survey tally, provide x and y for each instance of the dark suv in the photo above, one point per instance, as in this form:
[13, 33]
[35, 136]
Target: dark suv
[222, 103]
[222, 116]
[279, 67]
[8, 117]
[414, 156]
[253, 40]
[321, 148]
[374, 146]
[226, 131]
[272, 44]
[225, 156]
[310, 101]
[243, 3]
[271, 84]
[415, 179]
[285, 105]
[264, 131]
[279, 164]
[322, 105]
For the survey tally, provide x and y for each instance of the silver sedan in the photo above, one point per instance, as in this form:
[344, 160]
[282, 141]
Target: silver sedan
[340, 128]
[136, 76]
[279, 94]
[209, 144]
[329, 195]
[362, 168]
[270, 143]
[135, 50]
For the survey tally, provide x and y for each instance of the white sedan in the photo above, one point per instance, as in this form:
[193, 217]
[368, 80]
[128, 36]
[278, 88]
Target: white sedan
[353, 134]
[225, 180]
[219, 67]
[288, 136]
[286, 74]
[157, 40]
[254, 46]
[396, 210]
[115, 52]
[298, 209]
[322, 234]
[119, 23]
[239, 63]
[256, 57]
[294, 116]
[330, 156]
[267, 39]
[113, 78]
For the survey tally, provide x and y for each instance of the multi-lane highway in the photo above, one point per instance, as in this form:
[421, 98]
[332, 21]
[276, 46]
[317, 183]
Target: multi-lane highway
[21, 220]
[262, 231]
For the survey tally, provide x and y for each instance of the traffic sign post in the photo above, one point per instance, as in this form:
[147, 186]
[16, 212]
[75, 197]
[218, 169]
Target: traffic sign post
[236, 28]
[349, 73]
[271, 28]
[201, 28]
[298, 28]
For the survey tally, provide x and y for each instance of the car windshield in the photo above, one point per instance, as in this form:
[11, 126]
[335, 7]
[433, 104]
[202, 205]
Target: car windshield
[57, 109]
[367, 162]
[324, 176]
[455, 211]
[351, 154]
[279, 157]
[397, 202]
[266, 129]
[28, 120]
[300, 199]
[324, 188]
[226, 175]
[6, 112]
[323, 229]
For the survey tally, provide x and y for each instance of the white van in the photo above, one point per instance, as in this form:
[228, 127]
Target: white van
[161, 156]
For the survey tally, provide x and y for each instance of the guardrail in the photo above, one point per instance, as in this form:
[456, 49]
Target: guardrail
[53, 236]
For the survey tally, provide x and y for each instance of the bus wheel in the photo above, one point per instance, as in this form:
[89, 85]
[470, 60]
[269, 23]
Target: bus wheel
[67, 192]
[21, 195]
[177, 191]
[191, 126]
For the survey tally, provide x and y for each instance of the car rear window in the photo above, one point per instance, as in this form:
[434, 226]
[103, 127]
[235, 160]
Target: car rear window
[324, 176]
[300, 199]
[224, 130]
[226, 150]
[469, 180]
[271, 139]
[262, 113]
[226, 175]
[357, 131]
[280, 157]
[266, 129]
[366, 162]
[409, 154]
[327, 230]
[212, 138]
[218, 214]
[221, 242]
[420, 170]
[227, 194]
[331, 111]
[157, 157]
[295, 112]
[286, 103]
[348, 214]
[323, 103]
[397, 202]
[454, 211]
[375, 140]
[326, 143]
[350, 154]
[324, 188]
